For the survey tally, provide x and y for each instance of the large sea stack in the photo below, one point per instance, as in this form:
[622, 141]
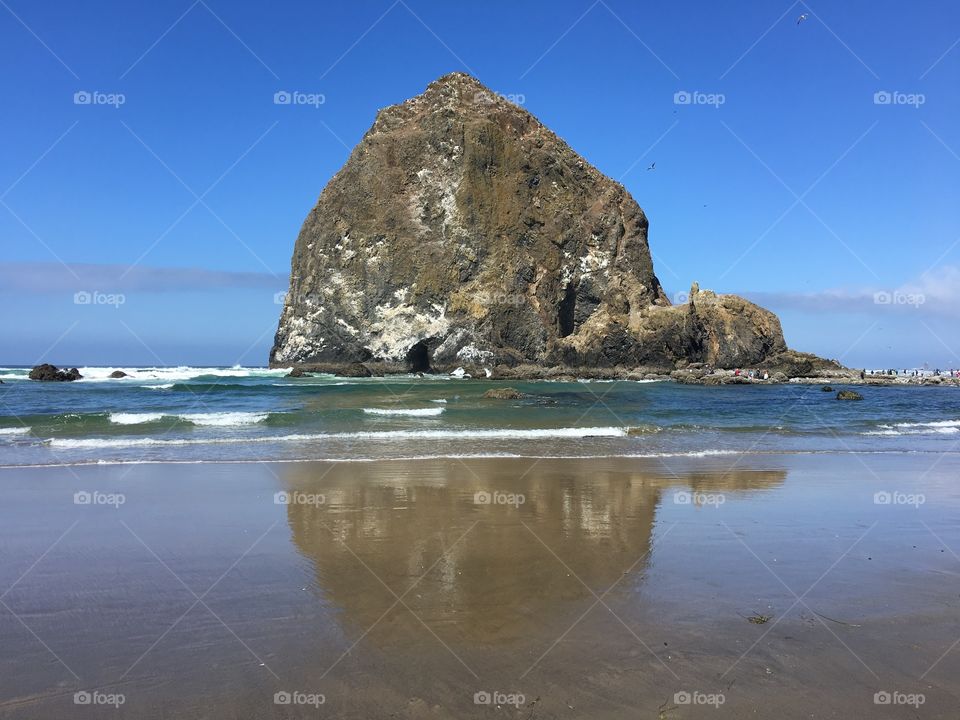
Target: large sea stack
[463, 233]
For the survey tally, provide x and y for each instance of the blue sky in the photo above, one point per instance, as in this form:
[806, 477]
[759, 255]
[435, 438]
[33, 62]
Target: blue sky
[785, 178]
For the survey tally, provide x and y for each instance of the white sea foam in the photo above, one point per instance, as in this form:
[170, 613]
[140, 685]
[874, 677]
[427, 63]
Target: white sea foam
[176, 374]
[134, 418]
[442, 401]
[386, 435]
[224, 419]
[14, 431]
[939, 427]
[413, 412]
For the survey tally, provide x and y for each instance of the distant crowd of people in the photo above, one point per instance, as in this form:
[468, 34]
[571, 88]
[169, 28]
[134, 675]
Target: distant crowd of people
[752, 374]
[913, 373]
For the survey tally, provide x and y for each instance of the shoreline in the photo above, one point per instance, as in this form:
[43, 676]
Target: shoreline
[692, 455]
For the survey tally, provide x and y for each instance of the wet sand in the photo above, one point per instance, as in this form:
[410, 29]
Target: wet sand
[600, 588]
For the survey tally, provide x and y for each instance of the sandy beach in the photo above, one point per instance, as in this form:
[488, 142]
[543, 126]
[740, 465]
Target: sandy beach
[602, 588]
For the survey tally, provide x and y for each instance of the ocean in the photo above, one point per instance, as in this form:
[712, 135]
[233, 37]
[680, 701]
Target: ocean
[197, 414]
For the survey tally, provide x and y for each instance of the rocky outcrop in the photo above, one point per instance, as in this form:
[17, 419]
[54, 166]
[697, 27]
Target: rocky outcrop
[50, 373]
[117, 374]
[507, 393]
[463, 233]
[849, 395]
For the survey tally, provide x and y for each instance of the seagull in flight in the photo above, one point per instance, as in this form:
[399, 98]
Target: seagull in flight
[802, 18]
[652, 165]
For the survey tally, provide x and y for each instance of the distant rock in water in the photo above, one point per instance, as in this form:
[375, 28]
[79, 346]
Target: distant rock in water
[849, 395]
[50, 373]
[117, 374]
[463, 233]
[507, 393]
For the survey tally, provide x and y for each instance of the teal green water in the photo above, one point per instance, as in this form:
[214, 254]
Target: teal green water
[254, 414]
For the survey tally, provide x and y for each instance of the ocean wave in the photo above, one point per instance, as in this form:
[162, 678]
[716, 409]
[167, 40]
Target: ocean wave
[387, 435]
[224, 419]
[182, 372]
[14, 431]
[218, 419]
[413, 412]
[939, 427]
[134, 418]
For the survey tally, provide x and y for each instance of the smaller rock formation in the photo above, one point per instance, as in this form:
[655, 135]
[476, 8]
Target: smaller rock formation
[827, 388]
[50, 373]
[507, 393]
[298, 373]
[849, 395]
[117, 374]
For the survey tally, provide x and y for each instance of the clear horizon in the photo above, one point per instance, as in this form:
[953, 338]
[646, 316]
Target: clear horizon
[155, 181]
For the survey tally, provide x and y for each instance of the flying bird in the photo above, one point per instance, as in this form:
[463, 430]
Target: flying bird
[652, 166]
[802, 18]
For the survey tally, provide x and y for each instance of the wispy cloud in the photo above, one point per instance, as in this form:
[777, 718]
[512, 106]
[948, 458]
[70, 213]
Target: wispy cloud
[46, 278]
[935, 293]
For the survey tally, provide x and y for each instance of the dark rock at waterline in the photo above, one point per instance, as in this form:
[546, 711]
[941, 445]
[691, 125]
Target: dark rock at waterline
[356, 370]
[50, 373]
[849, 395]
[117, 374]
[507, 393]
[827, 388]
[298, 373]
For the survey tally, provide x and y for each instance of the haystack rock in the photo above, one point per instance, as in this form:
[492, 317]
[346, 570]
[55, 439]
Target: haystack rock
[463, 233]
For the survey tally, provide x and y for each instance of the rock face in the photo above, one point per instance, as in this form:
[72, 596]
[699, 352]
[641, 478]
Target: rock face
[463, 233]
[50, 373]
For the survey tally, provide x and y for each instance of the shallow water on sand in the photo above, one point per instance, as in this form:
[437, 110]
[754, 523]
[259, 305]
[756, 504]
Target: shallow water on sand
[777, 585]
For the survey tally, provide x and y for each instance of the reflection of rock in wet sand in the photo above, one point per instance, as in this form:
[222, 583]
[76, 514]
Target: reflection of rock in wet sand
[491, 573]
